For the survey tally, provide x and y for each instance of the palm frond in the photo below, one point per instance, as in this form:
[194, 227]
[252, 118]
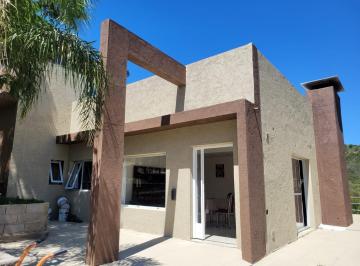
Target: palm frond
[41, 34]
[70, 13]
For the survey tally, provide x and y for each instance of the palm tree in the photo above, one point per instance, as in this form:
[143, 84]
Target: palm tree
[36, 35]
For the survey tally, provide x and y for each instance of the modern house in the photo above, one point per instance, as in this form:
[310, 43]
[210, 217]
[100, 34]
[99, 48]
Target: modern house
[227, 148]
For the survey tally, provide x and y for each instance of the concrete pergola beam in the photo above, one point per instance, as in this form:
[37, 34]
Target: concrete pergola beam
[117, 46]
[147, 56]
[151, 58]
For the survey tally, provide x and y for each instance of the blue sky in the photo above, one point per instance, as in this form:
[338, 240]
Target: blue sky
[304, 39]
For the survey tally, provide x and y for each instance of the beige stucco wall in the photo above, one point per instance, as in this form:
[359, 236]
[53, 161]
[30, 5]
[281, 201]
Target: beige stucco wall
[143, 220]
[221, 78]
[178, 146]
[79, 199]
[287, 129]
[176, 219]
[34, 142]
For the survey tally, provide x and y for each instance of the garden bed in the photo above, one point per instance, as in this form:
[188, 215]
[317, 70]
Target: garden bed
[22, 219]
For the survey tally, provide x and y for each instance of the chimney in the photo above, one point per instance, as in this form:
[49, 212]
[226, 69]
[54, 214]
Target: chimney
[330, 150]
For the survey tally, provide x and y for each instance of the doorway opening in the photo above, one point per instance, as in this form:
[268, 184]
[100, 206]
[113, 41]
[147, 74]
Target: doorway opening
[300, 178]
[213, 194]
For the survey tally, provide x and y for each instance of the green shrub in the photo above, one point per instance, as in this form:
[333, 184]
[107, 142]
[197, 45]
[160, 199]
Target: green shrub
[5, 200]
[352, 155]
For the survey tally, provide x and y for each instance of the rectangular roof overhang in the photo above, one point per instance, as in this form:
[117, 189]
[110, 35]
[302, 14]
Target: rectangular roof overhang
[214, 113]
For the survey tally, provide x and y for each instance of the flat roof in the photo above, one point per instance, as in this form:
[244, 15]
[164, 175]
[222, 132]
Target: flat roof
[323, 83]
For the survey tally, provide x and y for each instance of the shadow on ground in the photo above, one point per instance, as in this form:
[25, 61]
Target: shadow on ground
[72, 237]
[129, 250]
[61, 236]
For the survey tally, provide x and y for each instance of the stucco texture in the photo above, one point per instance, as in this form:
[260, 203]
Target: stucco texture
[79, 199]
[34, 142]
[175, 220]
[221, 78]
[218, 79]
[178, 146]
[287, 132]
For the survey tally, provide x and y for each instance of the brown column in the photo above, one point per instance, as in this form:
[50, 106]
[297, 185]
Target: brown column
[7, 129]
[251, 181]
[333, 183]
[104, 227]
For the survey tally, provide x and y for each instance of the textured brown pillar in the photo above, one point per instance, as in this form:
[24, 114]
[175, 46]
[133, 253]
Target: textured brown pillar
[333, 183]
[251, 181]
[104, 227]
[7, 129]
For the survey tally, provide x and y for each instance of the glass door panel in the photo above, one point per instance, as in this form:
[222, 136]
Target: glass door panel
[198, 194]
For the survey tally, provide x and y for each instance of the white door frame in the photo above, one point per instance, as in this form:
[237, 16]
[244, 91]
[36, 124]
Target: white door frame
[199, 227]
[306, 176]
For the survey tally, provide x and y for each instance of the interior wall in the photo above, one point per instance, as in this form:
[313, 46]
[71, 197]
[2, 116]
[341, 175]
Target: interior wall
[218, 188]
[287, 132]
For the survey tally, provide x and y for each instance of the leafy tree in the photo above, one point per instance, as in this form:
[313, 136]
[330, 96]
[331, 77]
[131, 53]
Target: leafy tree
[352, 155]
[36, 35]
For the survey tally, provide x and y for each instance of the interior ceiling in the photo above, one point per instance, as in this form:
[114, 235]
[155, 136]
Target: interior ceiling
[224, 150]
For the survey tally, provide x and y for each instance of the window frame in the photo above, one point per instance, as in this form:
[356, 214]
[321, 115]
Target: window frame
[125, 183]
[67, 186]
[51, 176]
[82, 176]
[76, 178]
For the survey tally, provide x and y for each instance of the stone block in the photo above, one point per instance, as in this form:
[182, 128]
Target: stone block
[2, 229]
[9, 219]
[34, 217]
[11, 229]
[2, 209]
[37, 208]
[15, 209]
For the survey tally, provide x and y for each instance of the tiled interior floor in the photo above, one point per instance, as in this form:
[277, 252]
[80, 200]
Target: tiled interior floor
[221, 233]
[224, 231]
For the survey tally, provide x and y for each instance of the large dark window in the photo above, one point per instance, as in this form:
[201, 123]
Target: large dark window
[145, 181]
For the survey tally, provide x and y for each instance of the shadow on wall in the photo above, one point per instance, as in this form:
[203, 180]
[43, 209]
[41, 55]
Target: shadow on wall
[180, 99]
[34, 144]
[170, 204]
[177, 168]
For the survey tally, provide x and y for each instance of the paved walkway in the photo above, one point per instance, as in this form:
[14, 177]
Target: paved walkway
[319, 248]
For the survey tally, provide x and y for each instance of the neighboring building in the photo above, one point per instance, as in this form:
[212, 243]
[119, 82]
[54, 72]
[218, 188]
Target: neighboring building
[179, 180]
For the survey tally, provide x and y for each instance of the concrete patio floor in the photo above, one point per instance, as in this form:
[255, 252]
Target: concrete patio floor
[318, 248]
